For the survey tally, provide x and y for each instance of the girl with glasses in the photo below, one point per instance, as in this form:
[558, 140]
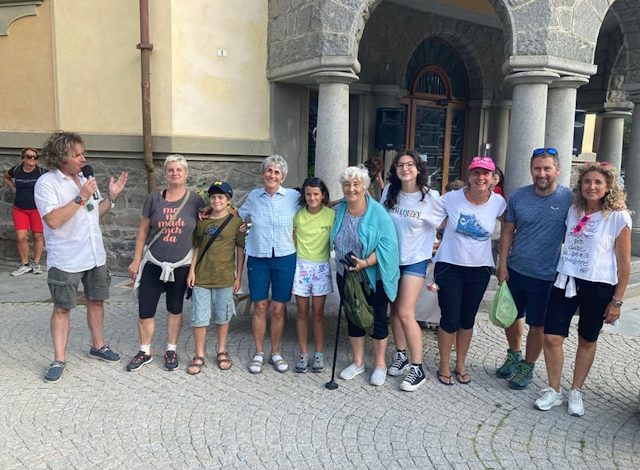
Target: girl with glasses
[22, 179]
[593, 273]
[416, 212]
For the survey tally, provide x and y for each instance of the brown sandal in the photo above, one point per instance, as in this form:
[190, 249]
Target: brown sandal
[196, 365]
[224, 361]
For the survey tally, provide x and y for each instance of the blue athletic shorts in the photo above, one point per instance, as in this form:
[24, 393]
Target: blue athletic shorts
[531, 297]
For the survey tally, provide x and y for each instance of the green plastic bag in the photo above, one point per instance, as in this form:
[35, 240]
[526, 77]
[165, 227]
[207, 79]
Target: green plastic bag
[503, 310]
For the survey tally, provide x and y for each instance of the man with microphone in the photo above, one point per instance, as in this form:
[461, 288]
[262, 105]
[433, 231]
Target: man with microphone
[71, 205]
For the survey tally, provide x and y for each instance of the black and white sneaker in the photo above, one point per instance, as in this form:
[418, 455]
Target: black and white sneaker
[399, 364]
[414, 379]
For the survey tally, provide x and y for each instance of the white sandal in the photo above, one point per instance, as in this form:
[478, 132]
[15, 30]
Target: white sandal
[278, 362]
[255, 366]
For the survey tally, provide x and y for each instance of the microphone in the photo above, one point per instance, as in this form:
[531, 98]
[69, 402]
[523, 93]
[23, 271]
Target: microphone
[87, 171]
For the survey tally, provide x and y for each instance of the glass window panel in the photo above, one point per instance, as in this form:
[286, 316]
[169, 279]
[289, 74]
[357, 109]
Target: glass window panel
[457, 144]
[429, 140]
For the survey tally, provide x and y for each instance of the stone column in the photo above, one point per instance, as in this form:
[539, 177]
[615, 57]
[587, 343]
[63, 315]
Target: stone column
[632, 176]
[499, 132]
[561, 117]
[610, 145]
[332, 138]
[527, 123]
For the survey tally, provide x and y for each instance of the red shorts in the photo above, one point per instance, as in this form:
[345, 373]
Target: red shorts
[27, 219]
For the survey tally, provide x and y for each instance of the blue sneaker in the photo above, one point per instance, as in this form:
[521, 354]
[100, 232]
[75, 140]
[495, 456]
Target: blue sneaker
[55, 371]
[104, 353]
[523, 376]
[510, 364]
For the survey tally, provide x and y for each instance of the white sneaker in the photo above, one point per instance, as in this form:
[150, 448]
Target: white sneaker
[576, 408]
[36, 268]
[351, 371]
[25, 268]
[549, 399]
[378, 376]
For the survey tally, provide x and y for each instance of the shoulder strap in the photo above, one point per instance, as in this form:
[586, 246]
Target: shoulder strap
[173, 217]
[213, 237]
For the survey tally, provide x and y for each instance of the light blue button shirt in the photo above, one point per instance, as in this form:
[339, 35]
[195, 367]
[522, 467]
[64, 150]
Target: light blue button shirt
[271, 217]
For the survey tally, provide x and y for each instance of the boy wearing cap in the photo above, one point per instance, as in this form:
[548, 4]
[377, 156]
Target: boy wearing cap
[215, 274]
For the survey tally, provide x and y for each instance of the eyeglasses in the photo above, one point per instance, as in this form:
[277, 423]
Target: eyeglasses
[31, 157]
[582, 223]
[407, 165]
[549, 151]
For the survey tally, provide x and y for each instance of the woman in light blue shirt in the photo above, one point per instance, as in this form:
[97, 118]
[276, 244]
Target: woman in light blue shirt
[271, 257]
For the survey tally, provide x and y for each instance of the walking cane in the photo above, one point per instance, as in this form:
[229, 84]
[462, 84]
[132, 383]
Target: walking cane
[331, 384]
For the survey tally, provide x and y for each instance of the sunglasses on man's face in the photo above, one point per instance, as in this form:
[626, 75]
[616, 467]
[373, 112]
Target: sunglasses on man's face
[542, 150]
[30, 157]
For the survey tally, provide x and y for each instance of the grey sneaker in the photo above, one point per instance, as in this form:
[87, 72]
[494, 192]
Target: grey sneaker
[140, 359]
[25, 268]
[399, 364]
[351, 371]
[576, 408]
[508, 367]
[523, 376]
[104, 353]
[549, 399]
[318, 362]
[55, 371]
[378, 376]
[302, 363]
[36, 268]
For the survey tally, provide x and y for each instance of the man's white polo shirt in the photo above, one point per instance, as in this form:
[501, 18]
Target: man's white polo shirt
[77, 245]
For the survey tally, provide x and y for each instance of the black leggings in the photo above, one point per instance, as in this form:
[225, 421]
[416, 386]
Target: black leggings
[151, 287]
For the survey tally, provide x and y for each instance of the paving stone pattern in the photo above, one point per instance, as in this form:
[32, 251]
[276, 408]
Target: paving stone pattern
[101, 416]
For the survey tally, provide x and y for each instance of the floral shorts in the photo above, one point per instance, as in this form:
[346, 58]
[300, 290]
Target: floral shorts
[312, 278]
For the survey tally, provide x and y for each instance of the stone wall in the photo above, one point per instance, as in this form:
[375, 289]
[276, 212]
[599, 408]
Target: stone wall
[119, 227]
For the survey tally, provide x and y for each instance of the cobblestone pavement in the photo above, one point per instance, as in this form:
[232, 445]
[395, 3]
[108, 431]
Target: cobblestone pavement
[101, 416]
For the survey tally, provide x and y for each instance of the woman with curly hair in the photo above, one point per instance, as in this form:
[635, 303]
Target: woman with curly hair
[593, 274]
[416, 212]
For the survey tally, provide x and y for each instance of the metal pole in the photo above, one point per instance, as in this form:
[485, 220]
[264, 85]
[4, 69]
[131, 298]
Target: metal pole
[145, 71]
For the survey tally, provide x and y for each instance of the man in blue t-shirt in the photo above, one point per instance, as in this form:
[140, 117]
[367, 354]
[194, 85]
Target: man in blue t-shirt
[530, 243]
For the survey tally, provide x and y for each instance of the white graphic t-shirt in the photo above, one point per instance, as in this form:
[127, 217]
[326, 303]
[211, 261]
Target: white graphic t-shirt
[589, 248]
[467, 236]
[416, 222]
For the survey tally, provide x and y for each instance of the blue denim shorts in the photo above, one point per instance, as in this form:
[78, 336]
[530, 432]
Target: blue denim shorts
[276, 272]
[418, 269]
[204, 300]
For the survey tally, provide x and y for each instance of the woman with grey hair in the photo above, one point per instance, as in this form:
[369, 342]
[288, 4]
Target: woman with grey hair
[162, 257]
[271, 257]
[364, 231]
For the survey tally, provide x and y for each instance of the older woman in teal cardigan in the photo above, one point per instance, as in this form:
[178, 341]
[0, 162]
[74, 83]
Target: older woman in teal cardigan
[363, 227]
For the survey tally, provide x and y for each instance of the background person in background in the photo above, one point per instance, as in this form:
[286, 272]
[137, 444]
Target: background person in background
[593, 273]
[271, 261]
[71, 206]
[375, 168]
[162, 257]
[26, 218]
[416, 212]
[364, 228]
[464, 262]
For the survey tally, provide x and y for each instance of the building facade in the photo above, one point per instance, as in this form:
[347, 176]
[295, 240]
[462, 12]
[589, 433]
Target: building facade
[324, 82]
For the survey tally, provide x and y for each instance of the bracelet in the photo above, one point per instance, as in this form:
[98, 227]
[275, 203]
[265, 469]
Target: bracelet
[616, 301]
[366, 262]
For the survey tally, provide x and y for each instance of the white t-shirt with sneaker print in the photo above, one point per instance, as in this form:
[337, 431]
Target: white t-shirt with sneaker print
[467, 237]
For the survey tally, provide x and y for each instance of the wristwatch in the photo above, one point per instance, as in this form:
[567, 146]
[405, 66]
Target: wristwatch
[78, 200]
[616, 302]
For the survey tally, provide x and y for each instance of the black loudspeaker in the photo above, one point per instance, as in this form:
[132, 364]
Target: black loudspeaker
[578, 132]
[389, 128]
